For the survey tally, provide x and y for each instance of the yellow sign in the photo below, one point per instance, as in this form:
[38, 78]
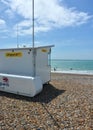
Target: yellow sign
[44, 50]
[13, 54]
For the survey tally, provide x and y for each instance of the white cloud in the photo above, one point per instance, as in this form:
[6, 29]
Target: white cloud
[3, 29]
[9, 13]
[48, 14]
[6, 2]
[25, 28]
[2, 24]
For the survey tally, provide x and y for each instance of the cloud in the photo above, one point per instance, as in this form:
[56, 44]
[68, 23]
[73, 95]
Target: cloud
[49, 14]
[2, 24]
[9, 13]
[4, 32]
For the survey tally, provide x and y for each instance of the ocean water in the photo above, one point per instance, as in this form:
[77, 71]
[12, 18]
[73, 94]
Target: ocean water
[72, 66]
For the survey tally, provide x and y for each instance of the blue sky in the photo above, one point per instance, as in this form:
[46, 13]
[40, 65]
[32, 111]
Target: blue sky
[67, 24]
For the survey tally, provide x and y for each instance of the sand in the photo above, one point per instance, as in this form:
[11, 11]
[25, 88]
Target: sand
[64, 104]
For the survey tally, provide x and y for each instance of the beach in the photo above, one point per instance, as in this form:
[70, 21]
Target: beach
[66, 103]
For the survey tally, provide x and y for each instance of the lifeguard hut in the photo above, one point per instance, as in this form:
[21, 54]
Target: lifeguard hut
[23, 73]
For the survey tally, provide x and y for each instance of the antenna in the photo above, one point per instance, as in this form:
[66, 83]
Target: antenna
[17, 37]
[33, 40]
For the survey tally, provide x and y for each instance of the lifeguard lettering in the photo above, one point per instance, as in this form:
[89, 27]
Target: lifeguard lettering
[13, 54]
[44, 50]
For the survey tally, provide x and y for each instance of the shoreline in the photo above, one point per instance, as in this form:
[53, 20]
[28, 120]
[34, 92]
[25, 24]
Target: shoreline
[73, 72]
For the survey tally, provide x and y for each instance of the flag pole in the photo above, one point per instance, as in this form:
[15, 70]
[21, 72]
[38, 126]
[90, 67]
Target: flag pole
[33, 23]
[33, 39]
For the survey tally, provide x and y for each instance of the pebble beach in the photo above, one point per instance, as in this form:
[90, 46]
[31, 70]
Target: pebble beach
[66, 103]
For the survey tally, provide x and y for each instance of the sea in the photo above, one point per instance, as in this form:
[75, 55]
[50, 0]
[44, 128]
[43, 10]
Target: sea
[72, 66]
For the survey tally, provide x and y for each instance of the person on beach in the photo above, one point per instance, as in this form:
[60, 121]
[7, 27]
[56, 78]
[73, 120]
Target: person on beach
[54, 69]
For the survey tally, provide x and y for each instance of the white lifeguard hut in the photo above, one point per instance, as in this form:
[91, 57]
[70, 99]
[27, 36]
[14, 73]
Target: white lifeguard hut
[20, 74]
[24, 70]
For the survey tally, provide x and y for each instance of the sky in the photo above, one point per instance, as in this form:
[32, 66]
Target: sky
[66, 24]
